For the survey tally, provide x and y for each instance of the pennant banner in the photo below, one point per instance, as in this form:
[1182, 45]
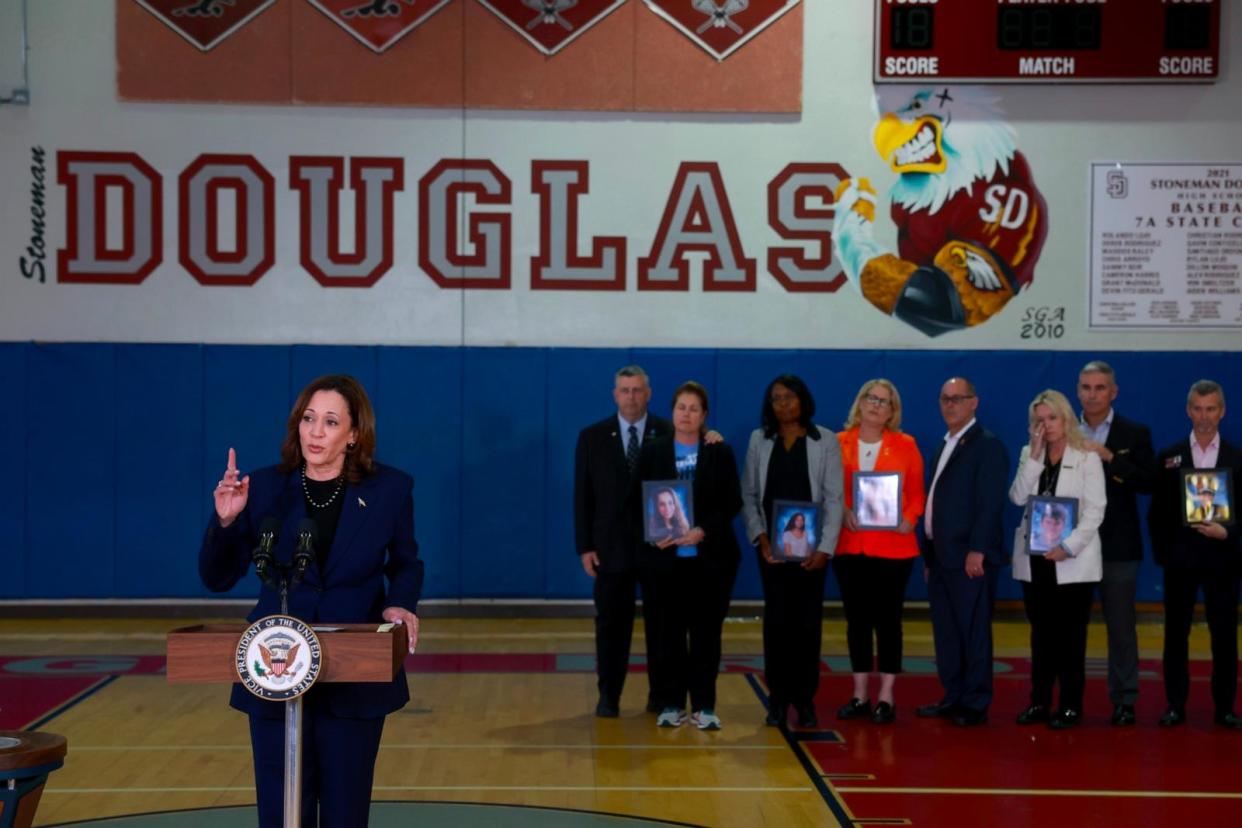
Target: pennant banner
[205, 23]
[721, 26]
[378, 24]
[551, 25]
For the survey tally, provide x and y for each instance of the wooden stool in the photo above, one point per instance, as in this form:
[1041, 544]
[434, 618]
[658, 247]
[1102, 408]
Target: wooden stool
[26, 758]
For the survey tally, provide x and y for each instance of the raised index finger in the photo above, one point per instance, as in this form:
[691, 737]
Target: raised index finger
[232, 460]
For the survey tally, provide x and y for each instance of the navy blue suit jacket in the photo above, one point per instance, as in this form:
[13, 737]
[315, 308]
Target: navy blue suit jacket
[374, 544]
[969, 501]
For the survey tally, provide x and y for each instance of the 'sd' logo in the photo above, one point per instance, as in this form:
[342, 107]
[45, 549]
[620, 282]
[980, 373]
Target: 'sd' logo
[721, 26]
[550, 25]
[278, 658]
[205, 23]
[378, 24]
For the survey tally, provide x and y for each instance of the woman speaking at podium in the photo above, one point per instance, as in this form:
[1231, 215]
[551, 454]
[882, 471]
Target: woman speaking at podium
[365, 568]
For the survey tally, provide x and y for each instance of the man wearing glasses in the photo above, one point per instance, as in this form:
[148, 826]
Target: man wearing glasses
[963, 550]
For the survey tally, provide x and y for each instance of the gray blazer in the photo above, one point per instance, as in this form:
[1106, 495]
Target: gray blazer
[823, 460]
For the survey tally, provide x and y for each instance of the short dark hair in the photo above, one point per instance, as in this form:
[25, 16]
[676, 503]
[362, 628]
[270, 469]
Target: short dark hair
[691, 387]
[806, 403]
[359, 460]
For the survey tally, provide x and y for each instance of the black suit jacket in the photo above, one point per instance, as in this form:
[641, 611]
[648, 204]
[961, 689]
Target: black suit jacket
[969, 501]
[1132, 471]
[602, 484]
[717, 498]
[1174, 544]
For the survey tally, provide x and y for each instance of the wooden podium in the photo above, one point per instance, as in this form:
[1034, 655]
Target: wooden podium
[207, 654]
[26, 758]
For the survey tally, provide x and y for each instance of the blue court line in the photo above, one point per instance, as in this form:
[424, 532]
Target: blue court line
[80, 697]
[825, 790]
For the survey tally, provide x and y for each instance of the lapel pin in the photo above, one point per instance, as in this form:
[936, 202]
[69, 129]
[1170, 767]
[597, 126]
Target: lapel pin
[362, 503]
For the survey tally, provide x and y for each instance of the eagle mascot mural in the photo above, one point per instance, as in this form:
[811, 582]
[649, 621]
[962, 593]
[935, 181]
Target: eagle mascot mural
[970, 221]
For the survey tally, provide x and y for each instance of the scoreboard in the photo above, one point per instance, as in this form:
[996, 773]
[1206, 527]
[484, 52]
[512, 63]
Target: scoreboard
[1047, 41]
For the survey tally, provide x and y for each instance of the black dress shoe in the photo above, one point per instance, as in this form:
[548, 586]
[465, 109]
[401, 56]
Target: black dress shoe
[854, 709]
[1123, 715]
[776, 713]
[607, 709]
[884, 713]
[1034, 714]
[1173, 718]
[966, 717]
[939, 710]
[1228, 720]
[807, 717]
[1065, 719]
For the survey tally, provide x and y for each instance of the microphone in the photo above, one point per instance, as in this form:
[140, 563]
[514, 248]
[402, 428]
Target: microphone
[263, 556]
[304, 555]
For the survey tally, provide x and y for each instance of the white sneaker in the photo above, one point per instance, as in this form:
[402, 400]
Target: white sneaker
[671, 717]
[706, 720]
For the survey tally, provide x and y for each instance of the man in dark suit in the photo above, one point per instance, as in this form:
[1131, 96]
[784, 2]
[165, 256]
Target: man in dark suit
[962, 553]
[604, 464]
[1203, 555]
[1125, 449]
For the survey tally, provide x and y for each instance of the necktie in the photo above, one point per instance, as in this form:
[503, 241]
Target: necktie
[631, 449]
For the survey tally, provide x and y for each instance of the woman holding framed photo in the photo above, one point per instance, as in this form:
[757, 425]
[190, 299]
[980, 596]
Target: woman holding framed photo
[791, 460]
[1057, 584]
[689, 579]
[874, 556]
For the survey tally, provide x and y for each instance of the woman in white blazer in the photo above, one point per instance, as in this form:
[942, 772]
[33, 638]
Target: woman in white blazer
[1058, 584]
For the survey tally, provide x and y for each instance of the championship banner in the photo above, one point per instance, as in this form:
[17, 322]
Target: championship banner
[550, 25]
[721, 26]
[205, 23]
[378, 24]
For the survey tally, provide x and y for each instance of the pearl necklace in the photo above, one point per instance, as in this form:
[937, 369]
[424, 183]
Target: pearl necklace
[340, 484]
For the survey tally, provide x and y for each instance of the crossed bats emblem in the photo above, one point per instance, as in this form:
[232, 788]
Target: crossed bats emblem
[203, 8]
[719, 15]
[548, 12]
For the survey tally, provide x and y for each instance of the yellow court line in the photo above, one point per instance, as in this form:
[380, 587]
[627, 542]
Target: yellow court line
[485, 788]
[1050, 792]
[442, 746]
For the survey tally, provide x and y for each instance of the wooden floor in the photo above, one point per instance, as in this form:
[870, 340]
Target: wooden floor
[501, 713]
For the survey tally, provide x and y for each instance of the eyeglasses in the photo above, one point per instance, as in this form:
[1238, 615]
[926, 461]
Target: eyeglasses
[956, 399]
[784, 399]
[872, 399]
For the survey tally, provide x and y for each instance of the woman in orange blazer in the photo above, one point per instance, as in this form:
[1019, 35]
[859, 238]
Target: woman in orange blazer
[873, 565]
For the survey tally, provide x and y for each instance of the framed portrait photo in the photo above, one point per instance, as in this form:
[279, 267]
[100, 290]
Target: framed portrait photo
[795, 529]
[668, 509]
[877, 499]
[1052, 521]
[1207, 495]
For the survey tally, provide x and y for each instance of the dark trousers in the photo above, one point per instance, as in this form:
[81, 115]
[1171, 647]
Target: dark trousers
[687, 600]
[338, 764]
[793, 626]
[961, 610]
[615, 594]
[873, 591]
[1059, 615]
[1118, 592]
[1220, 602]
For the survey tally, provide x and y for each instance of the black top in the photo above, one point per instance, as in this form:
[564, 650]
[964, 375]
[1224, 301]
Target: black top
[789, 476]
[327, 516]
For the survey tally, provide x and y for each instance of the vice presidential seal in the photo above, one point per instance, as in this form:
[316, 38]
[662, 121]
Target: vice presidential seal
[278, 658]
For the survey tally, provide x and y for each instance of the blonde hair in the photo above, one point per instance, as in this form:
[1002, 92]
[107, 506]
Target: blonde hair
[1060, 406]
[894, 418]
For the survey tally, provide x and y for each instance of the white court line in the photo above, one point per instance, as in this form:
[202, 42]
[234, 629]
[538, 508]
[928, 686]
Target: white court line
[483, 788]
[441, 746]
[1037, 792]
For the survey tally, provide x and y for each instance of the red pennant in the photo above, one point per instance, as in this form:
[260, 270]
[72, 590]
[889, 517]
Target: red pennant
[550, 25]
[205, 23]
[721, 26]
[378, 24]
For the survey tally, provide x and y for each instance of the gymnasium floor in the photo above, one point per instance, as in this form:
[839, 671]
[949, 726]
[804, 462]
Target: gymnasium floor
[500, 731]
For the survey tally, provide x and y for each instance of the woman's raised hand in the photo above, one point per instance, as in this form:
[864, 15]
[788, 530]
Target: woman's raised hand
[232, 492]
